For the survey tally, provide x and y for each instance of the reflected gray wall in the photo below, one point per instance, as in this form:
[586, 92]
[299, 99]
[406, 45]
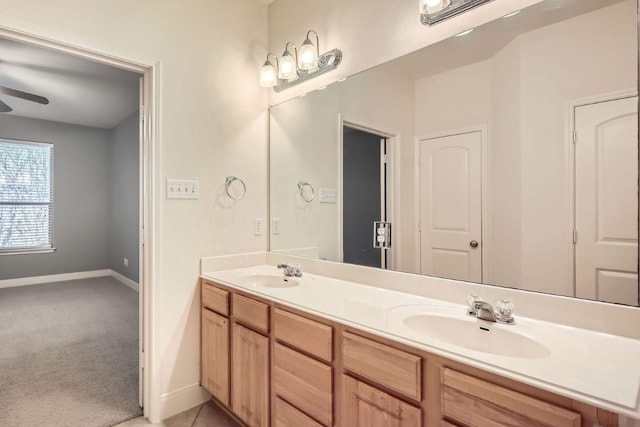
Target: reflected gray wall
[124, 200]
[361, 196]
[81, 198]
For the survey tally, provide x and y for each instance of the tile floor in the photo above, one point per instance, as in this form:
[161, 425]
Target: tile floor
[206, 415]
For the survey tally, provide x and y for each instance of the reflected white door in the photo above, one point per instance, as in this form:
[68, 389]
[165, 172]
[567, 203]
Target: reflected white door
[606, 154]
[450, 206]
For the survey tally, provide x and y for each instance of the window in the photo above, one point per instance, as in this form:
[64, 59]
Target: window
[26, 196]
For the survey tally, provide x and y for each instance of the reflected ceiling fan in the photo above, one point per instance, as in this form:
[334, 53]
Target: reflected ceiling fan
[4, 108]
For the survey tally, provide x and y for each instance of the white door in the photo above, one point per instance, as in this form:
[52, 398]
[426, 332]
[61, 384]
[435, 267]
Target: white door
[606, 212]
[450, 206]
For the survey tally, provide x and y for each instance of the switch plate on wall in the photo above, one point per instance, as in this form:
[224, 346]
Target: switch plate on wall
[182, 189]
[275, 225]
[258, 225]
[328, 195]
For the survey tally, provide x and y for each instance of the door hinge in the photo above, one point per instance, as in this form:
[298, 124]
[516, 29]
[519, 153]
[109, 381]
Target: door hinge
[575, 236]
[575, 136]
[384, 159]
[141, 362]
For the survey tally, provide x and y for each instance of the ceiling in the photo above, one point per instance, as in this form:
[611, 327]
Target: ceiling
[80, 92]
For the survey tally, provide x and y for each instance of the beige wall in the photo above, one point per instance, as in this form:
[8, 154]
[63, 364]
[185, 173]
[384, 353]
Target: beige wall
[213, 124]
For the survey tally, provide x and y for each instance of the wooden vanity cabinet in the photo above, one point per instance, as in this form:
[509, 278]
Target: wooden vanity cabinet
[250, 376]
[215, 341]
[215, 355]
[274, 366]
[366, 406]
[302, 370]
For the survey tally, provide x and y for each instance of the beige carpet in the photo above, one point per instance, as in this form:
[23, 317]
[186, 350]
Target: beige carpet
[69, 354]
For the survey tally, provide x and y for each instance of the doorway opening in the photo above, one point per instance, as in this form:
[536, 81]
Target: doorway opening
[144, 187]
[366, 196]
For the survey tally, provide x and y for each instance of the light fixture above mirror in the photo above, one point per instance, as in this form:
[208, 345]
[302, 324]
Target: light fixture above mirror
[294, 68]
[434, 11]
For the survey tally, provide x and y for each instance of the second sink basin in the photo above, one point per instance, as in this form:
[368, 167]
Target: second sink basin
[268, 281]
[449, 326]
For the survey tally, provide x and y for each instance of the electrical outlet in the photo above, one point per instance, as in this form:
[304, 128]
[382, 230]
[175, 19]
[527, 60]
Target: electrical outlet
[258, 225]
[275, 225]
[182, 189]
[126, 262]
[328, 195]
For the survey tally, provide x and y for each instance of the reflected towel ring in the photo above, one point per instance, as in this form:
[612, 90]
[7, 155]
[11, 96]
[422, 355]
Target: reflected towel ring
[305, 194]
[227, 185]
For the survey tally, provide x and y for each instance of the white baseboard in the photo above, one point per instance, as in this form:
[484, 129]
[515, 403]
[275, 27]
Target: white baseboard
[182, 399]
[36, 280]
[125, 281]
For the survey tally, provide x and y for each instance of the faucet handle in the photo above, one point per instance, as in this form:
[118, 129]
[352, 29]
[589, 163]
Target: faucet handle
[505, 310]
[473, 299]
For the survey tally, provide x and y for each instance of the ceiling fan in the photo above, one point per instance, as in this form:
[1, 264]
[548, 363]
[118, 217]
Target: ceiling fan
[4, 108]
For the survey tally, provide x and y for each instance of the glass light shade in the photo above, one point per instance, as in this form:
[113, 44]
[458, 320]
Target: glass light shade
[433, 6]
[308, 57]
[288, 69]
[268, 77]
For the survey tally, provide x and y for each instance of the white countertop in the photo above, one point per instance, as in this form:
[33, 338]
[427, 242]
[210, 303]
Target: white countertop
[592, 367]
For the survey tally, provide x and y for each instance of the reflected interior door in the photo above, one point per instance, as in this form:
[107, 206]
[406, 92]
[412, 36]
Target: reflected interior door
[364, 196]
[606, 205]
[451, 206]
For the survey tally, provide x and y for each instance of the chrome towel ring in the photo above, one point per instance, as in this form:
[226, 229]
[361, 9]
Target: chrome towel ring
[306, 191]
[230, 180]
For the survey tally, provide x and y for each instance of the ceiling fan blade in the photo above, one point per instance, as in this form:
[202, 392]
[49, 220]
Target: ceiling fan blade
[4, 108]
[24, 95]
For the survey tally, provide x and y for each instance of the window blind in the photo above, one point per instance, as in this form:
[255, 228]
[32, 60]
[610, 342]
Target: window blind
[26, 196]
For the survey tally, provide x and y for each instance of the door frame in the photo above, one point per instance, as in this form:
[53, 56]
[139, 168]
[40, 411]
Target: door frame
[149, 169]
[570, 165]
[393, 187]
[484, 193]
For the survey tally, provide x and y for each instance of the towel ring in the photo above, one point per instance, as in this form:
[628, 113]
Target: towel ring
[227, 185]
[305, 194]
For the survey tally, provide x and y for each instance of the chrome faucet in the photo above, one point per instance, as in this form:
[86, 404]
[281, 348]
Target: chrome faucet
[483, 310]
[291, 270]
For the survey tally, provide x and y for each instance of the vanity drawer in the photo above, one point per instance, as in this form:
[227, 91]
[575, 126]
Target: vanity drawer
[304, 383]
[388, 366]
[305, 334]
[251, 313]
[288, 416]
[474, 402]
[215, 298]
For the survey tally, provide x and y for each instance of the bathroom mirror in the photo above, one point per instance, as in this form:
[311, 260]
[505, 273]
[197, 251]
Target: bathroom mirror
[507, 156]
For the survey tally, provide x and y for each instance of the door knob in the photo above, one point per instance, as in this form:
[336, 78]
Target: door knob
[473, 244]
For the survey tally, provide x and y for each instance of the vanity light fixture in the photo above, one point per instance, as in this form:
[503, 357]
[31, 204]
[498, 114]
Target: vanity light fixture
[309, 53]
[289, 63]
[269, 73]
[434, 11]
[293, 69]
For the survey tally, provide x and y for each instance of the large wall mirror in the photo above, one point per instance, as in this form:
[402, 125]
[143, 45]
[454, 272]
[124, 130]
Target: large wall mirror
[507, 156]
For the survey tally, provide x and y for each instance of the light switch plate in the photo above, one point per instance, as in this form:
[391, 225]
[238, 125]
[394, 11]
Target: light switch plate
[258, 225]
[182, 189]
[328, 195]
[275, 226]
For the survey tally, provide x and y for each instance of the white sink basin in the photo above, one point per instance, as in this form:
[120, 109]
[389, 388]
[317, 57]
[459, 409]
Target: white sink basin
[268, 281]
[453, 327]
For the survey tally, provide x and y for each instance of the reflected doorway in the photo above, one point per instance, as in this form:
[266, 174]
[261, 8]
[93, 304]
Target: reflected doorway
[364, 195]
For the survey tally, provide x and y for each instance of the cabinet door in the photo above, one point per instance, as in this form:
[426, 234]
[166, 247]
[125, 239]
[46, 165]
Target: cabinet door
[215, 355]
[365, 406]
[250, 377]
